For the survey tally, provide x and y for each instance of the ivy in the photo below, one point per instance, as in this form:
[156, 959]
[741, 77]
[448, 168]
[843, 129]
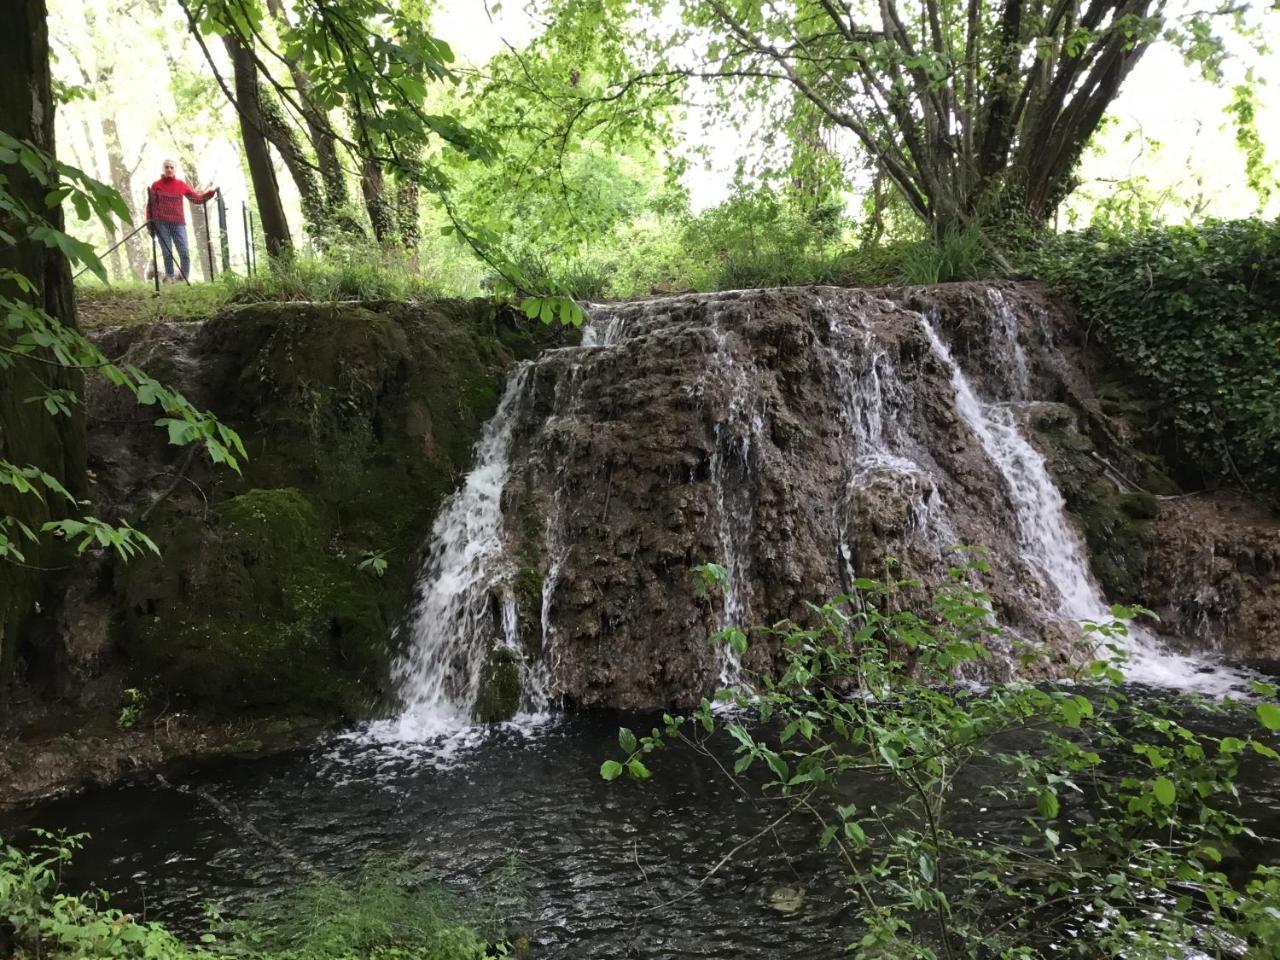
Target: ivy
[1190, 312]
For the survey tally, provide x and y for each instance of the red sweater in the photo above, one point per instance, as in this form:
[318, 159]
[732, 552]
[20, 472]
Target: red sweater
[164, 200]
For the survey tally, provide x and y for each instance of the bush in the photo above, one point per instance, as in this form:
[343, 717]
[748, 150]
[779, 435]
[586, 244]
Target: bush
[1191, 313]
[388, 912]
[1124, 812]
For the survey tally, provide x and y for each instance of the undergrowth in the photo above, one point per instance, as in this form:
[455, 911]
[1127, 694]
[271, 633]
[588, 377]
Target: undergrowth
[388, 911]
[1190, 312]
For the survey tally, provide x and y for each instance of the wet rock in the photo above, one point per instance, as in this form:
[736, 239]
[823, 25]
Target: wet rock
[1213, 575]
[499, 695]
[358, 420]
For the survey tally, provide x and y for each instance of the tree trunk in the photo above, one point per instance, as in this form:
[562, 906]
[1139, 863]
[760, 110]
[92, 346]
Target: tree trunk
[27, 433]
[89, 163]
[281, 134]
[199, 232]
[373, 186]
[275, 228]
[407, 214]
[322, 139]
[122, 181]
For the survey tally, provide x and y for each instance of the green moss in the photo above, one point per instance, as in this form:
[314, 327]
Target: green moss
[528, 590]
[499, 696]
[359, 420]
[252, 612]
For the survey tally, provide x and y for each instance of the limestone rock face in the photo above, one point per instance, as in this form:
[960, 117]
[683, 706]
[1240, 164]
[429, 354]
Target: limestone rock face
[1213, 576]
[799, 438]
[796, 438]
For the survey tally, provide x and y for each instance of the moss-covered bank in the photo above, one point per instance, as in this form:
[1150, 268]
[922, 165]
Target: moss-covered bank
[271, 594]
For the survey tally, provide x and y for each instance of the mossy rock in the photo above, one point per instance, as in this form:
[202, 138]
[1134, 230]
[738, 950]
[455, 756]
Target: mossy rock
[528, 592]
[358, 419]
[1115, 524]
[500, 686]
[250, 612]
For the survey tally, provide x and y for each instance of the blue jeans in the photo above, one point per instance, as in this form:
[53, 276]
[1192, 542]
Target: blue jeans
[173, 235]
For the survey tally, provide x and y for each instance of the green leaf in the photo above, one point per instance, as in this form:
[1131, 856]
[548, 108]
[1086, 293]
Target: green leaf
[627, 740]
[1269, 715]
[1047, 803]
[1164, 791]
[637, 769]
[610, 769]
[857, 836]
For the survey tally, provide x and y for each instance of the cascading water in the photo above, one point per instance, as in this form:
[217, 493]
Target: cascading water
[453, 621]
[1048, 542]
[597, 485]
[732, 453]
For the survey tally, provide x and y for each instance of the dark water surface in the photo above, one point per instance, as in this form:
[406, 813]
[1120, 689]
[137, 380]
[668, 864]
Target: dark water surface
[600, 861]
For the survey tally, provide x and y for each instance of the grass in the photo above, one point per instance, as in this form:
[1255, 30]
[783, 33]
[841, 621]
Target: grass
[343, 273]
[662, 264]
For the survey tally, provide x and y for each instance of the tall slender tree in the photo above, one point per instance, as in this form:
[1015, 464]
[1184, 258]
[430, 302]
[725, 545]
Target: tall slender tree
[28, 435]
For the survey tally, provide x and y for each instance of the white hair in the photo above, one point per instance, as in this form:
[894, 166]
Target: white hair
[167, 163]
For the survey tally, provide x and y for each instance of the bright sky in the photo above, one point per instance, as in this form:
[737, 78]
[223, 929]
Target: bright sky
[1171, 127]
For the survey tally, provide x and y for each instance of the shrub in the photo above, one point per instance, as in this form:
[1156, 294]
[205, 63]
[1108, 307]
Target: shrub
[1126, 811]
[388, 912]
[1191, 313]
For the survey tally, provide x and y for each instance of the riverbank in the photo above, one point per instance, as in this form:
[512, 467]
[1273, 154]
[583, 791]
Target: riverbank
[64, 752]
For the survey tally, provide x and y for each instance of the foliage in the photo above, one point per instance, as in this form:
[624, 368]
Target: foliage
[132, 708]
[387, 912]
[1190, 311]
[1112, 860]
[957, 254]
[967, 109]
[32, 336]
[37, 919]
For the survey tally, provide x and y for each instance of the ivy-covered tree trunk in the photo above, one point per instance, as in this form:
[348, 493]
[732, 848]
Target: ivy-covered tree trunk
[408, 218]
[381, 215]
[28, 435]
[275, 227]
[321, 135]
[281, 135]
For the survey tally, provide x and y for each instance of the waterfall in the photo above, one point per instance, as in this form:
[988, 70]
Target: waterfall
[817, 443]
[1050, 546]
[732, 450]
[453, 621]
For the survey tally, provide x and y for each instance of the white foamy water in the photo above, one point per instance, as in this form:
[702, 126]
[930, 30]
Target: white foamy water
[453, 623]
[1050, 546]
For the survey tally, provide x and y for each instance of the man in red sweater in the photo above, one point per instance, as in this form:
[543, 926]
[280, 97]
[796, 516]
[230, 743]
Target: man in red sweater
[167, 218]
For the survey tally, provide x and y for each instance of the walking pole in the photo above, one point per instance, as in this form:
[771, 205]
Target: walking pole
[223, 244]
[244, 215]
[129, 237]
[208, 238]
[155, 265]
[253, 248]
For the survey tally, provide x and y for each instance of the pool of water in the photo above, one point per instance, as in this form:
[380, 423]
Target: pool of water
[610, 870]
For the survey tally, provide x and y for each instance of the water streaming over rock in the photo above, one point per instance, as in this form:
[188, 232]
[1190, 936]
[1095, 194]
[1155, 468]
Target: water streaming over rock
[796, 437]
[462, 608]
[1046, 538]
